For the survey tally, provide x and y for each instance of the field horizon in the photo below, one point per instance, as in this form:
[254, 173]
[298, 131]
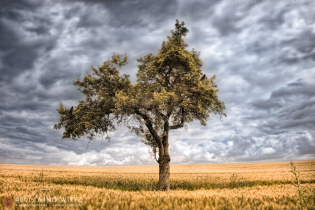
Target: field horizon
[254, 185]
[288, 161]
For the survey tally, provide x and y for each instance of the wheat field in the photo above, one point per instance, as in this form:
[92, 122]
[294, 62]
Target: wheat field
[209, 186]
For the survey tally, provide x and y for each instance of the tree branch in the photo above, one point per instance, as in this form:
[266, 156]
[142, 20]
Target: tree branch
[148, 123]
[161, 83]
[150, 109]
[172, 127]
[181, 124]
[170, 69]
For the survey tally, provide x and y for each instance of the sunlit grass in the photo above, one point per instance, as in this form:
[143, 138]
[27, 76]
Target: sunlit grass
[211, 186]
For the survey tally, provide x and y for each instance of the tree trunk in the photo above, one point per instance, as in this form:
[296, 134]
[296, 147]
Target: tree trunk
[164, 173]
[164, 161]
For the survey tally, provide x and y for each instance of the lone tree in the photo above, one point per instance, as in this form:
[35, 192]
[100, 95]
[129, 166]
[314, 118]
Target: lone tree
[170, 91]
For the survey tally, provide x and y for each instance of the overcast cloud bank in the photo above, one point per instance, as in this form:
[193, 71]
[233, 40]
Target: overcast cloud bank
[262, 52]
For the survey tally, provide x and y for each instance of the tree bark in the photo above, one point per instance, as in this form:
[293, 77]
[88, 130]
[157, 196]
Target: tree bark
[164, 173]
[164, 161]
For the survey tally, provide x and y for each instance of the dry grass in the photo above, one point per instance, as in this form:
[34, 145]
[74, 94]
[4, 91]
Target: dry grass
[211, 186]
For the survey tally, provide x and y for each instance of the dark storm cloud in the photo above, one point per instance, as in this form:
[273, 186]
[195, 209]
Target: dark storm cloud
[19, 4]
[196, 9]
[16, 60]
[125, 13]
[227, 17]
[55, 71]
[226, 21]
[305, 146]
[257, 49]
[280, 125]
[17, 54]
[37, 51]
[294, 101]
[274, 19]
[304, 42]
[298, 88]
[298, 92]
[299, 49]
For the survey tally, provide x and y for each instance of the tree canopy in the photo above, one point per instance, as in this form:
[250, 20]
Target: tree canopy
[171, 91]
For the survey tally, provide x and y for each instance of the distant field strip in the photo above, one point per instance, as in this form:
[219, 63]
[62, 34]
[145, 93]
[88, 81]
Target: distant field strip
[209, 186]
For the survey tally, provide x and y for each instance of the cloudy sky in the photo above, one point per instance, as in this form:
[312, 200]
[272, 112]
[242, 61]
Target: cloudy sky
[262, 52]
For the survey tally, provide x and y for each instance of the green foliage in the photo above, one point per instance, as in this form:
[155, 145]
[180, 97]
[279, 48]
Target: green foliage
[93, 115]
[170, 91]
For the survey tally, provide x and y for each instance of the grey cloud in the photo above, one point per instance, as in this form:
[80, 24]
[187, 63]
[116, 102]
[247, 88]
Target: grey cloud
[279, 126]
[20, 4]
[275, 17]
[281, 146]
[306, 145]
[226, 24]
[299, 49]
[281, 97]
[18, 55]
[196, 9]
[126, 13]
[54, 72]
[304, 43]
[267, 105]
[257, 49]
[227, 17]
[240, 145]
[291, 107]
[17, 60]
[295, 89]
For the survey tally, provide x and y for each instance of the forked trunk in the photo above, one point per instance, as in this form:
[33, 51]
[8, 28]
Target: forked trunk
[164, 174]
